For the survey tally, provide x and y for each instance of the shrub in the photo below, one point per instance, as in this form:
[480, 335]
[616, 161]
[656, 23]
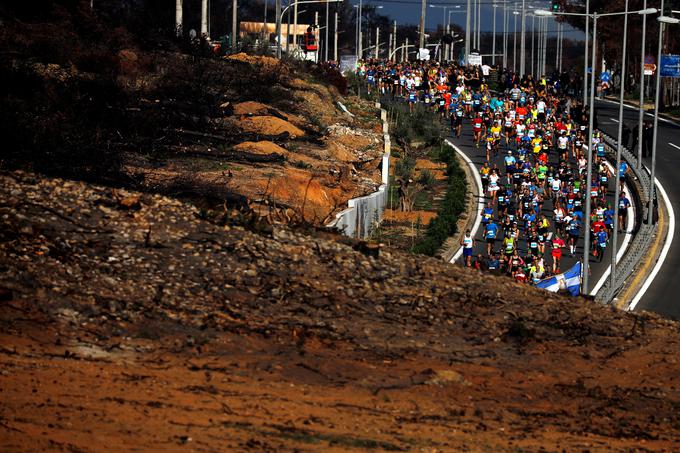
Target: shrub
[453, 204]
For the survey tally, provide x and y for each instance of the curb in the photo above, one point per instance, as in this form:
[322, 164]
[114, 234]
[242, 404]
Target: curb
[474, 193]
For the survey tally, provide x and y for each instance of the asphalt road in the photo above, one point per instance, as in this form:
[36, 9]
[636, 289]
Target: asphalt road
[478, 157]
[663, 294]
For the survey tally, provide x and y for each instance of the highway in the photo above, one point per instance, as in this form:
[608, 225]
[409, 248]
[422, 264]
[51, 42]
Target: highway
[662, 295]
[478, 157]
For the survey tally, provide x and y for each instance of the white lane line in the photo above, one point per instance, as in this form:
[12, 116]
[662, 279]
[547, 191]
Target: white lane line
[626, 240]
[614, 120]
[665, 120]
[480, 203]
[674, 145]
[664, 251]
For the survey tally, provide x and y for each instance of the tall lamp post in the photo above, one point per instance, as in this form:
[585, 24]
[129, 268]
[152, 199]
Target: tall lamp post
[591, 116]
[467, 34]
[641, 113]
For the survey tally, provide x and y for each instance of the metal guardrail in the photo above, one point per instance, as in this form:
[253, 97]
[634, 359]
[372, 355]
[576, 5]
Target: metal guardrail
[644, 232]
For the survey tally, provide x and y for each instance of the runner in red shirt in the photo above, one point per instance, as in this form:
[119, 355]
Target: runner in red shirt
[477, 123]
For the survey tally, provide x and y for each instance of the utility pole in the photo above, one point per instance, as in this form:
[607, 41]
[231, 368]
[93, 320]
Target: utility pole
[178, 16]
[335, 41]
[423, 5]
[204, 17]
[404, 54]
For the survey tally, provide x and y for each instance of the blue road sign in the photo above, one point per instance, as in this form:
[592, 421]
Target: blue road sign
[606, 76]
[649, 59]
[670, 66]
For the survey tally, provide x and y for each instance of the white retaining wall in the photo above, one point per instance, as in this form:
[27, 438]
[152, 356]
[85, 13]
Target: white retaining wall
[363, 214]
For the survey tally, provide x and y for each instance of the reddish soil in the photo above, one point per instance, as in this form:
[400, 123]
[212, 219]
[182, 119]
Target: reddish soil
[133, 322]
[411, 216]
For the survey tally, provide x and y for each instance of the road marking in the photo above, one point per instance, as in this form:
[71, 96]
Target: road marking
[674, 145]
[630, 225]
[665, 120]
[664, 251]
[480, 203]
[614, 120]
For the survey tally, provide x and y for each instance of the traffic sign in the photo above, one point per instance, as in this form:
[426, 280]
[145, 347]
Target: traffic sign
[649, 59]
[650, 69]
[670, 66]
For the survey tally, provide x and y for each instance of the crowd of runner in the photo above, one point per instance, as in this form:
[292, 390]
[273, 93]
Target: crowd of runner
[541, 133]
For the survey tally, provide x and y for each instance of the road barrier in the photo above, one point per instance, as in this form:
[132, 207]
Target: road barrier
[364, 214]
[640, 184]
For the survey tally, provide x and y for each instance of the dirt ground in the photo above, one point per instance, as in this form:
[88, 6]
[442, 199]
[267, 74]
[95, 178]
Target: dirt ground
[134, 322]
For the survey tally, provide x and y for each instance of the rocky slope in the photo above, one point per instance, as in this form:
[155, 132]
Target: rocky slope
[135, 321]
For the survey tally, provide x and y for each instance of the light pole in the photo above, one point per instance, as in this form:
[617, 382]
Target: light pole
[467, 34]
[179, 10]
[522, 56]
[505, 36]
[615, 230]
[493, 44]
[422, 23]
[533, 39]
[514, 41]
[585, 58]
[642, 86]
[479, 26]
[663, 20]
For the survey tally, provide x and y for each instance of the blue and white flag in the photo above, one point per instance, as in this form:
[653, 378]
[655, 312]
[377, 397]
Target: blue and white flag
[570, 280]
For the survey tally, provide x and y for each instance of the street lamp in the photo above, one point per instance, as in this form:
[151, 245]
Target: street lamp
[586, 229]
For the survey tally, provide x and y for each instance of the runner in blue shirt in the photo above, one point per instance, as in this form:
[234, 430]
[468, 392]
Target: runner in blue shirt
[490, 233]
[601, 238]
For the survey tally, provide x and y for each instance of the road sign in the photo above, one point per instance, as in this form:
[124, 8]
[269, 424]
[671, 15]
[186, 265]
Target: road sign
[475, 59]
[670, 66]
[650, 68]
[649, 59]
